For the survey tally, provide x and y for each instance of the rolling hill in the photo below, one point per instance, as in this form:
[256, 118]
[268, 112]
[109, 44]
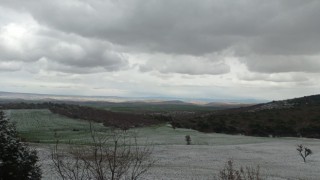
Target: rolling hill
[298, 117]
[293, 117]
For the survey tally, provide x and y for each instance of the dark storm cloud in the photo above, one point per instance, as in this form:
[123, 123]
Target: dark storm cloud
[288, 29]
[292, 32]
[187, 26]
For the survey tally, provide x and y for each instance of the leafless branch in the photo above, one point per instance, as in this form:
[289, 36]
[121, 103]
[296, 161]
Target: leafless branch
[114, 156]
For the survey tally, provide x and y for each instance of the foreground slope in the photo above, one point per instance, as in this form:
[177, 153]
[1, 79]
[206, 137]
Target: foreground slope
[202, 159]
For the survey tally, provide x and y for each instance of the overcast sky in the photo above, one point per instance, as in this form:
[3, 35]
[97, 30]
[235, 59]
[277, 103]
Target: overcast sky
[177, 48]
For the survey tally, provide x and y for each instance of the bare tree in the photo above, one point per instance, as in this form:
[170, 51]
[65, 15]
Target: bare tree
[304, 152]
[69, 164]
[115, 156]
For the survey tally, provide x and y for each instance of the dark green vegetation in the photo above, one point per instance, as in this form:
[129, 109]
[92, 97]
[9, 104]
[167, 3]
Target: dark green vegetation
[157, 108]
[128, 107]
[17, 161]
[163, 107]
[108, 118]
[294, 117]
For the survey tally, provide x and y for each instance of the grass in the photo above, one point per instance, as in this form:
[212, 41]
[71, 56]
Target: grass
[44, 127]
[165, 135]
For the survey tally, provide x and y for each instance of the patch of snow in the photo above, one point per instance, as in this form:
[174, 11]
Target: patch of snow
[278, 160]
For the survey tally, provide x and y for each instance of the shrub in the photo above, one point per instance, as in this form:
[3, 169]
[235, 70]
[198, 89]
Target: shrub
[17, 161]
[230, 173]
[188, 139]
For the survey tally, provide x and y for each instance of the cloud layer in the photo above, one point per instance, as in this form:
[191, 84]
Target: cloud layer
[235, 44]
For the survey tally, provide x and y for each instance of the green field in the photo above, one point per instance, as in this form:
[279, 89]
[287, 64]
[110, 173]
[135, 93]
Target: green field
[43, 126]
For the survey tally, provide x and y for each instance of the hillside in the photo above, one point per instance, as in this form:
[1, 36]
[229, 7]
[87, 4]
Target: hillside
[122, 115]
[293, 117]
[108, 118]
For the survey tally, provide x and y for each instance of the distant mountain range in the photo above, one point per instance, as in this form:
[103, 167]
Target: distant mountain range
[51, 97]
[11, 96]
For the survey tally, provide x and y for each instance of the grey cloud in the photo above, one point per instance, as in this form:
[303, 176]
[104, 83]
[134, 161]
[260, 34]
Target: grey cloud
[277, 78]
[278, 34]
[50, 65]
[293, 32]
[87, 55]
[186, 26]
[276, 64]
[71, 51]
[185, 65]
[10, 66]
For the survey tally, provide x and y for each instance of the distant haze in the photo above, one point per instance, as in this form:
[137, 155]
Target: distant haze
[215, 49]
[9, 96]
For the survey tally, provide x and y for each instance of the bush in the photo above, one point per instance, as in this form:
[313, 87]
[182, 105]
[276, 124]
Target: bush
[17, 161]
[230, 173]
[188, 139]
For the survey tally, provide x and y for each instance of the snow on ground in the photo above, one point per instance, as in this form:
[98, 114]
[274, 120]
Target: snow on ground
[278, 159]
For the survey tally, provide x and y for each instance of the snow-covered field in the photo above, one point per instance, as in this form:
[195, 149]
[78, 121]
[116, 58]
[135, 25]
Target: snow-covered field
[278, 159]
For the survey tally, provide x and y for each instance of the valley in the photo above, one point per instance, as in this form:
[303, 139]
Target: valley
[202, 159]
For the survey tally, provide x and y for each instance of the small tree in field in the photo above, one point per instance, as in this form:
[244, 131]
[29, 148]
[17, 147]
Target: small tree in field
[17, 161]
[304, 152]
[188, 139]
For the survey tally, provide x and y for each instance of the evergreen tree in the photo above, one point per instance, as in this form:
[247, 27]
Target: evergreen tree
[17, 161]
